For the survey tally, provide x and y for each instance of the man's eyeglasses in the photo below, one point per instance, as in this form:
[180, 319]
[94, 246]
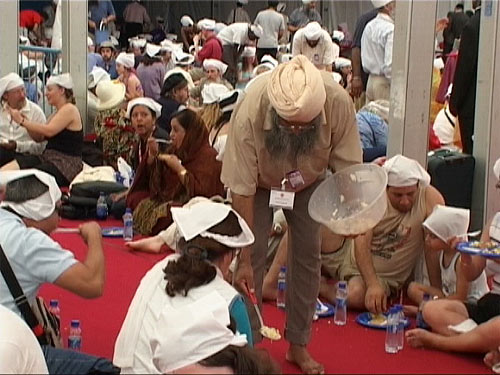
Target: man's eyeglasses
[297, 128]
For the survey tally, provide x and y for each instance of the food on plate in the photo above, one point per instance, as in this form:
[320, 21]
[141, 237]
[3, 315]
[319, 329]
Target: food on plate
[378, 319]
[270, 333]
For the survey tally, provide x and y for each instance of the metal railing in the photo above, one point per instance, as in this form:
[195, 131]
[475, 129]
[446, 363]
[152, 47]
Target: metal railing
[36, 65]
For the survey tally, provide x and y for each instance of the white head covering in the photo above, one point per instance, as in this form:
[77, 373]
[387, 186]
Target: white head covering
[39, 208]
[296, 90]
[212, 92]
[90, 42]
[25, 40]
[248, 51]
[305, 2]
[447, 222]
[126, 59]
[380, 3]
[147, 102]
[286, 57]
[496, 169]
[213, 63]
[402, 172]
[63, 80]
[152, 49]
[187, 335]
[219, 26]
[339, 35]
[182, 58]
[438, 63]
[313, 31]
[206, 24]
[337, 77]
[186, 21]
[228, 101]
[267, 66]
[97, 75]
[137, 42]
[257, 30]
[281, 7]
[110, 94]
[270, 60]
[9, 82]
[342, 62]
[199, 218]
[244, 2]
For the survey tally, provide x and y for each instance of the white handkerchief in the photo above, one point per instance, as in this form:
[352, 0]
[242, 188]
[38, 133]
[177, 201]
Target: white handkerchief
[465, 326]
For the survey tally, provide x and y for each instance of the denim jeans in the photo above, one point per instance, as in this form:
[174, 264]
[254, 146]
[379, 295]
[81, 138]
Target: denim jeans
[65, 361]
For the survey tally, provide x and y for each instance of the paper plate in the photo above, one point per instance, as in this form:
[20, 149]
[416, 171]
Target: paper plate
[365, 319]
[330, 311]
[473, 248]
[112, 232]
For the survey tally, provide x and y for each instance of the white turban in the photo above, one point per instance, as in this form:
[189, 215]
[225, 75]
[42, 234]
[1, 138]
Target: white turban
[402, 172]
[90, 42]
[152, 49]
[187, 21]
[213, 63]
[39, 208]
[496, 169]
[212, 92]
[197, 220]
[286, 57]
[126, 59]
[296, 90]
[447, 222]
[182, 58]
[270, 60]
[97, 75]
[248, 51]
[342, 62]
[380, 3]
[313, 31]
[191, 333]
[137, 42]
[146, 102]
[257, 30]
[339, 35]
[63, 80]
[10, 82]
[206, 24]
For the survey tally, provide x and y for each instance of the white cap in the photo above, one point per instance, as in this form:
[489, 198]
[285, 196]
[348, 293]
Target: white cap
[90, 42]
[126, 59]
[9, 82]
[269, 60]
[380, 3]
[212, 92]
[147, 102]
[187, 21]
[63, 80]
[213, 63]
[137, 42]
[447, 222]
[402, 172]
[39, 208]
[257, 30]
[97, 75]
[342, 62]
[182, 58]
[339, 35]
[191, 333]
[313, 31]
[248, 51]
[197, 219]
[206, 24]
[152, 49]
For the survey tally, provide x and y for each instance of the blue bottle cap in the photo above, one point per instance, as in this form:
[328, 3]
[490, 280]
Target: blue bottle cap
[54, 303]
[283, 269]
[128, 210]
[75, 323]
[342, 284]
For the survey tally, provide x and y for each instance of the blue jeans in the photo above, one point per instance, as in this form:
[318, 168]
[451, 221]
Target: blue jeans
[65, 361]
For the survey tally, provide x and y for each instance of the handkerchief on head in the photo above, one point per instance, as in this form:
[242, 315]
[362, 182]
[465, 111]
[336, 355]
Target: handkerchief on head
[402, 172]
[39, 208]
[147, 102]
[152, 49]
[313, 31]
[199, 218]
[188, 335]
[187, 21]
[213, 63]
[9, 82]
[126, 59]
[206, 24]
[212, 92]
[63, 80]
[296, 90]
[447, 222]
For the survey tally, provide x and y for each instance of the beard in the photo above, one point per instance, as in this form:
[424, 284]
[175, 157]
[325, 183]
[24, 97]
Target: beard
[282, 143]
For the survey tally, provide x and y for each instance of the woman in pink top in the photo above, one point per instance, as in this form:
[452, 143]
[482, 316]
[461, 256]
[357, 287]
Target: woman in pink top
[125, 69]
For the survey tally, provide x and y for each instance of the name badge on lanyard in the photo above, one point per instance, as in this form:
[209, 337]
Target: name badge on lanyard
[282, 198]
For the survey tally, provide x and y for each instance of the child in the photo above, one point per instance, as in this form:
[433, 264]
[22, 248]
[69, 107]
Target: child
[445, 223]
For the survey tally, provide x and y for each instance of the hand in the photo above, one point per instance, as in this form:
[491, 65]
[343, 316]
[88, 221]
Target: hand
[380, 161]
[356, 87]
[90, 230]
[172, 161]
[115, 197]
[376, 299]
[9, 146]
[16, 115]
[196, 39]
[243, 278]
[92, 24]
[465, 260]
[152, 147]
[104, 20]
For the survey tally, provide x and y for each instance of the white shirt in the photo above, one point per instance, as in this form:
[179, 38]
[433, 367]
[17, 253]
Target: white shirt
[324, 54]
[20, 352]
[376, 46]
[443, 127]
[10, 130]
[236, 33]
[272, 23]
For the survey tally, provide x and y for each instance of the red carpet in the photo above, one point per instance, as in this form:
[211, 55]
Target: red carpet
[348, 349]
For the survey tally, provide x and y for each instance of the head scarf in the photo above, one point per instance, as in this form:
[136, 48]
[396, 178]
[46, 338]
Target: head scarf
[447, 222]
[63, 80]
[380, 3]
[152, 49]
[39, 208]
[296, 90]
[342, 62]
[97, 75]
[126, 59]
[227, 102]
[10, 82]
[206, 24]
[269, 60]
[248, 51]
[213, 63]
[187, 21]
[403, 172]
[339, 35]
[313, 31]
[147, 102]
[212, 92]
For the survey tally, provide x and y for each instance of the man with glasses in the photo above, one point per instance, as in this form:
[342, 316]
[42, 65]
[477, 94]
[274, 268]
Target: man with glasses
[292, 125]
[15, 139]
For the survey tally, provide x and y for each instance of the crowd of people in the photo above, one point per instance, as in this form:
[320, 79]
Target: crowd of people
[235, 113]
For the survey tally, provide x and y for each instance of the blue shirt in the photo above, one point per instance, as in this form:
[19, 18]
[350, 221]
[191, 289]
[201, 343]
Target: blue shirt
[94, 59]
[34, 258]
[103, 9]
[110, 67]
[372, 130]
[31, 92]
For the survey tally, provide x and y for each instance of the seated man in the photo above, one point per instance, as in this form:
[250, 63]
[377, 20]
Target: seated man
[378, 263]
[16, 139]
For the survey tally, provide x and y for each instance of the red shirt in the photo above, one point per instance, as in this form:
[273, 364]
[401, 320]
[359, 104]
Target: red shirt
[212, 49]
[29, 18]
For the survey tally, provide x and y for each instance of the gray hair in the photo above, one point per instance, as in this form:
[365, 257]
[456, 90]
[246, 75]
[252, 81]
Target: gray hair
[24, 189]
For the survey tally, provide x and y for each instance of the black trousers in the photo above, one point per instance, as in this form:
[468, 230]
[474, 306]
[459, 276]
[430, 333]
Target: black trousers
[466, 133]
[265, 51]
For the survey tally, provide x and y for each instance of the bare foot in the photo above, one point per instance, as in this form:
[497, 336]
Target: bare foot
[492, 358]
[299, 355]
[410, 310]
[148, 245]
[419, 338]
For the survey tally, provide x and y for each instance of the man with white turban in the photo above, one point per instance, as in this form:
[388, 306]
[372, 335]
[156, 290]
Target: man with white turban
[16, 139]
[212, 46]
[214, 70]
[378, 263]
[292, 125]
[316, 44]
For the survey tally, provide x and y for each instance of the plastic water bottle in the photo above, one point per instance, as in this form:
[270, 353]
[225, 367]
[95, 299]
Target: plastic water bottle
[102, 207]
[75, 336]
[420, 319]
[391, 336]
[54, 308]
[340, 317]
[280, 298]
[401, 327]
[128, 225]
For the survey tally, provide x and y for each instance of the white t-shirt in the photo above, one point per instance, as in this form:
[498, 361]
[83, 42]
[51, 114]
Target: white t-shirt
[236, 33]
[444, 126]
[20, 352]
[376, 46]
[322, 55]
[272, 22]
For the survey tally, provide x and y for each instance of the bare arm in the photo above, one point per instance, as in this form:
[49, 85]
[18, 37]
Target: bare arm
[61, 120]
[462, 289]
[357, 83]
